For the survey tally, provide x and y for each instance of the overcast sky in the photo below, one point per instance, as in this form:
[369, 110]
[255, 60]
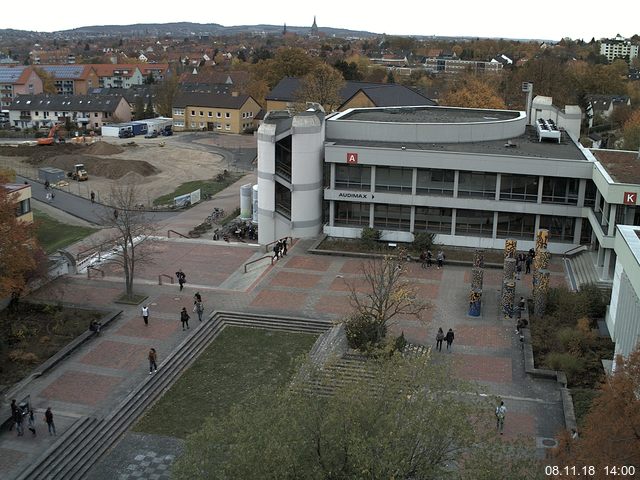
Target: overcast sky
[550, 20]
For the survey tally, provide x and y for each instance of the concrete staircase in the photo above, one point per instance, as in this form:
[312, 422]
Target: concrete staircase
[582, 271]
[82, 445]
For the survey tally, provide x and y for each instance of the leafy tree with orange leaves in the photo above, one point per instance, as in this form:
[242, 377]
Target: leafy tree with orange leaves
[611, 433]
[472, 92]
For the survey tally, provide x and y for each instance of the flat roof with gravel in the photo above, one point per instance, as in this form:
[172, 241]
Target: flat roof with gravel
[622, 166]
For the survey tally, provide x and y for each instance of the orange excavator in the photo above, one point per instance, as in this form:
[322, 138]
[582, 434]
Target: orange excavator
[53, 136]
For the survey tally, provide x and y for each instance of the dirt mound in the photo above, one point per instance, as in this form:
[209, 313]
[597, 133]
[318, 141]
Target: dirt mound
[112, 168]
[103, 148]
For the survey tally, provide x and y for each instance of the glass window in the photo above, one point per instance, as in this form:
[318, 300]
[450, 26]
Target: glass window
[193, 113]
[209, 114]
[560, 190]
[475, 223]
[392, 217]
[218, 115]
[283, 200]
[436, 220]
[351, 214]
[516, 225]
[227, 115]
[23, 207]
[355, 177]
[394, 179]
[435, 182]
[560, 228]
[201, 113]
[477, 184]
[519, 188]
[590, 194]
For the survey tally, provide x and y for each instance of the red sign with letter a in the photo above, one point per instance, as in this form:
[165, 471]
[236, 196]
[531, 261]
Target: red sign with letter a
[630, 198]
[352, 158]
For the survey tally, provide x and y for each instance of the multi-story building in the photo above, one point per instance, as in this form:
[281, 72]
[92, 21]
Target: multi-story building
[118, 76]
[20, 194]
[456, 65]
[473, 177]
[72, 79]
[86, 111]
[18, 80]
[618, 47]
[233, 113]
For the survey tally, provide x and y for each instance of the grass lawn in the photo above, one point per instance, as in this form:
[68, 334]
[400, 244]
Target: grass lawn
[211, 186]
[54, 235]
[227, 372]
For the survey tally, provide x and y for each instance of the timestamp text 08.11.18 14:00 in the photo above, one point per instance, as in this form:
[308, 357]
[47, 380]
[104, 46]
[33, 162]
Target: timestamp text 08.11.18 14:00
[590, 471]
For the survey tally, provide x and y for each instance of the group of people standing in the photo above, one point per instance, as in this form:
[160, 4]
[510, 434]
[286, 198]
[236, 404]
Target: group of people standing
[18, 412]
[448, 337]
[524, 260]
[280, 248]
[426, 259]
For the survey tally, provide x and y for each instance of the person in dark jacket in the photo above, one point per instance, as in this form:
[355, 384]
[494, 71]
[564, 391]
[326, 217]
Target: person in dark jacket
[449, 338]
[184, 318]
[153, 357]
[439, 338]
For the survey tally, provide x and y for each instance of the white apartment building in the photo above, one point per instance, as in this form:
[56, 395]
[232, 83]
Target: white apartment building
[618, 47]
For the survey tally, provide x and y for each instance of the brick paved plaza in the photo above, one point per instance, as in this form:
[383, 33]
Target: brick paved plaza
[101, 372]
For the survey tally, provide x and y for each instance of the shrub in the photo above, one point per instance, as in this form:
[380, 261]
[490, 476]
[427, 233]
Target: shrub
[570, 365]
[422, 241]
[370, 236]
[23, 357]
[362, 333]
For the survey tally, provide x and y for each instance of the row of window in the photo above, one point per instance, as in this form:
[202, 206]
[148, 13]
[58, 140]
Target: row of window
[217, 126]
[520, 188]
[180, 112]
[476, 223]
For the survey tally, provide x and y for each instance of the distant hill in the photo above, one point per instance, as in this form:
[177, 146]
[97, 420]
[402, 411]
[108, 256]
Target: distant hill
[179, 30]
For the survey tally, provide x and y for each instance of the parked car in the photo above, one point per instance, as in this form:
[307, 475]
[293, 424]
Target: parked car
[167, 132]
[152, 134]
[126, 134]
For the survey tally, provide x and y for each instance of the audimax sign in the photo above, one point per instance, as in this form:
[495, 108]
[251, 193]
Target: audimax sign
[363, 196]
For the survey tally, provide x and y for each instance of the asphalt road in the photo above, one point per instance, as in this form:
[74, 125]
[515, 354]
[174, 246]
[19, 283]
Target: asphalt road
[81, 207]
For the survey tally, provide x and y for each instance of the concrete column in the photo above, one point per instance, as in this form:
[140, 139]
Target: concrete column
[494, 233]
[332, 180]
[612, 220]
[371, 205]
[577, 230]
[600, 259]
[596, 207]
[606, 264]
[582, 189]
[373, 179]
[456, 179]
[414, 184]
[540, 185]
[454, 213]
[536, 226]
[498, 182]
[605, 214]
[412, 221]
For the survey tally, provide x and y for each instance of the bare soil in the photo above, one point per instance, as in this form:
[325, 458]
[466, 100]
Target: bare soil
[157, 166]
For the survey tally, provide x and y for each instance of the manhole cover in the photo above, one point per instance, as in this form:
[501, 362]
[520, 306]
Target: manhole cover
[547, 442]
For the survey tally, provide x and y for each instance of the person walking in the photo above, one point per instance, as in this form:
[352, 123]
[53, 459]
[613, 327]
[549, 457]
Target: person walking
[145, 314]
[429, 258]
[284, 246]
[153, 356]
[48, 417]
[276, 250]
[14, 413]
[449, 338]
[440, 259]
[46, 185]
[527, 265]
[18, 421]
[93, 196]
[501, 411]
[184, 318]
[182, 278]
[31, 423]
[439, 338]
[198, 308]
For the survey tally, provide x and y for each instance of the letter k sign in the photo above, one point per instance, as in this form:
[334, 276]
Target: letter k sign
[630, 198]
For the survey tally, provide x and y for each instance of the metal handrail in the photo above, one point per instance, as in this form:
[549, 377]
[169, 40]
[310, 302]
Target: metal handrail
[574, 250]
[266, 247]
[270, 257]
[89, 268]
[164, 275]
[177, 233]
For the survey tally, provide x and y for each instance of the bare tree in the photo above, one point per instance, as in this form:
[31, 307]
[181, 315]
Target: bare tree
[129, 232]
[387, 294]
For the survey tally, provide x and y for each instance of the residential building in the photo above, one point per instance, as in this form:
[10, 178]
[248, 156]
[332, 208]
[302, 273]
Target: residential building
[18, 80]
[21, 195]
[354, 94]
[456, 65]
[623, 313]
[473, 177]
[221, 113]
[603, 106]
[72, 79]
[159, 71]
[118, 76]
[86, 111]
[618, 47]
